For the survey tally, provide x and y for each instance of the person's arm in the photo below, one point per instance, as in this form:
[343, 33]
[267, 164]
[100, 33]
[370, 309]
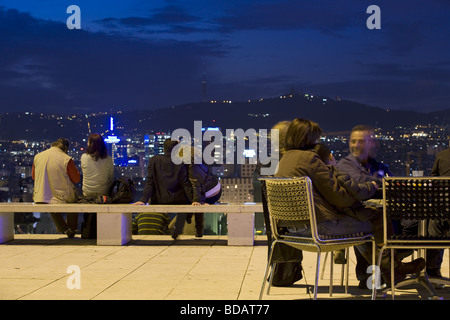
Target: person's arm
[110, 171]
[185, 183]
[328, 185]
[360, 191]
[33, 173]
[73, 172]
[435, 169]
[148, 189]
[196, 184]
[355, 171]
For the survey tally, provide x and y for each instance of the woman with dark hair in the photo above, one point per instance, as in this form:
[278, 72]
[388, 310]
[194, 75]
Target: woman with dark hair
[97, 168]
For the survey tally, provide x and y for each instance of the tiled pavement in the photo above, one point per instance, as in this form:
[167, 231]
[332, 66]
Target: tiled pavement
[37, 267]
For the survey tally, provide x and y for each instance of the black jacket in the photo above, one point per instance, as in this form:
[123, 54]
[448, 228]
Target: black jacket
[441, 165]
[167, 183]
[202, 180]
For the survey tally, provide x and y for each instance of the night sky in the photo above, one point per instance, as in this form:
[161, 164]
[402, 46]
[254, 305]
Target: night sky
[133, 54]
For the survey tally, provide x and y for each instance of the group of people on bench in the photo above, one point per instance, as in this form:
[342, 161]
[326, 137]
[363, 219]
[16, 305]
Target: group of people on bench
[55, 174]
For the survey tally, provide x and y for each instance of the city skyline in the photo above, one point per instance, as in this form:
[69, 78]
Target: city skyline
[133, 55]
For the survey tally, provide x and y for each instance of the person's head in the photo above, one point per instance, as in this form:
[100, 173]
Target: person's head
[282, 127]
[324, 153]
[169, 144]
[302, 134]
[62, 143]
[362, 143]
[96, 147]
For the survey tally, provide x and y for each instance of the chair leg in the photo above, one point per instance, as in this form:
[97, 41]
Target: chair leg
[347, 267]
[376, 274]
[343, 268]
[331, 273]
[375, 281]
[270, 266]
[324, 265]
[316, 283]
[271, 277]
[392, 275]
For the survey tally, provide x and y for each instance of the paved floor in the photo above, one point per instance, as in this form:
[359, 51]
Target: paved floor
[155, 267]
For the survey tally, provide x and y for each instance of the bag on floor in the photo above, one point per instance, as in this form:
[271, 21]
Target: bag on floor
[122, 191]
[288, 267]
[286, 274]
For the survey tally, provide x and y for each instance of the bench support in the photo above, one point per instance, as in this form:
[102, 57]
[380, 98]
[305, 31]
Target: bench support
[241, 230]
[6, 226]
[113, 229]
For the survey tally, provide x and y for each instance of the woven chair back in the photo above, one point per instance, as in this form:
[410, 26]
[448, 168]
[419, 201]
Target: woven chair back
[290, 199]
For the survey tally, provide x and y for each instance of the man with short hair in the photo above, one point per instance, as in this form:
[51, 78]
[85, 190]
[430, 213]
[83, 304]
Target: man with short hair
[362, 167]
[54, 174]
[167, 183]
[360, 164]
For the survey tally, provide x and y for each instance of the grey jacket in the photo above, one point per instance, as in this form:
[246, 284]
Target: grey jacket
[327, 191]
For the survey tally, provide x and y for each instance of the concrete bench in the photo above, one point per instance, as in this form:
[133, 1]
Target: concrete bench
[114, 220]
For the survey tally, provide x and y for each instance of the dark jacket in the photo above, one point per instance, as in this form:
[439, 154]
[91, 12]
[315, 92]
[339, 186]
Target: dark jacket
[360, 191]
[167, 183]
[374, 171]
[441, 165]
[327, 191]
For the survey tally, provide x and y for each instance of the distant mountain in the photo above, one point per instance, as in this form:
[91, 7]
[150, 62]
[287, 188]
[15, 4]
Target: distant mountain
[331, 114]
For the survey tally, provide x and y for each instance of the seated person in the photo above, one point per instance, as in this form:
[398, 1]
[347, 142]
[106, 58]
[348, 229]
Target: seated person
[359, 190]
[151, 223]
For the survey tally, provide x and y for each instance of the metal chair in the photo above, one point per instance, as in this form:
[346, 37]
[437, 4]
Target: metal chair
[421, 199]
[290, 201]
[270, 239]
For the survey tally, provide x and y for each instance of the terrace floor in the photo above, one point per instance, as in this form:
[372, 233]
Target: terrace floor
[37, 267]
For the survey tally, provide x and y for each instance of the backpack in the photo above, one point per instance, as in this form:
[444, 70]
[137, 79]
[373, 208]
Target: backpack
[288, 265]
[122, 191]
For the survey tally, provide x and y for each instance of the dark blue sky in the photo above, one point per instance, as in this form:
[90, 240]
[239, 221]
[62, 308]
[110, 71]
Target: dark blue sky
[137, 54]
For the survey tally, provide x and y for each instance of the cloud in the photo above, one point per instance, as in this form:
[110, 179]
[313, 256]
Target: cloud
[434, 72]
[290, 15]
[249, 49]
[170, 19]
[47, 66]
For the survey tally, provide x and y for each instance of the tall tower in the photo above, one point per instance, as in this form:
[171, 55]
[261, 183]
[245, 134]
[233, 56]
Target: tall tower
[204, 86]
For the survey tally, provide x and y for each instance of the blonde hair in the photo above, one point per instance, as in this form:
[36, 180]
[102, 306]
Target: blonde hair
[282, 127]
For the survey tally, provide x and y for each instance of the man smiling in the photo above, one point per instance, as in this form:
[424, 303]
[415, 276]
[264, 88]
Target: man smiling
[360, 164]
